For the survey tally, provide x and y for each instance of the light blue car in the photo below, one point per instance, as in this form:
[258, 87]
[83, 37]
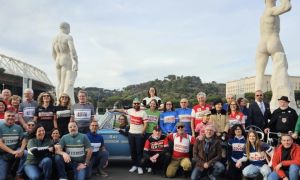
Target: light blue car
[116, 143]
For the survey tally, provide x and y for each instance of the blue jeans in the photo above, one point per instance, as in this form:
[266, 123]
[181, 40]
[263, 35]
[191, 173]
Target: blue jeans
[217, 169]
[35, 171]
[20, 170]
[293, 173]
[252, 171]
[98, 160]
[61, 166]
[4, 164]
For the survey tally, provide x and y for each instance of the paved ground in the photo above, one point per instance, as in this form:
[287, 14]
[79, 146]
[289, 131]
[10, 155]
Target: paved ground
[118, 170]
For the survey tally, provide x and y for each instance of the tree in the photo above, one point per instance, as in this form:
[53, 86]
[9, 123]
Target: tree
[2, 70]
[250, 96]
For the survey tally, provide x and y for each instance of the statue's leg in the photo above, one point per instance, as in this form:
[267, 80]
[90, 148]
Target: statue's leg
[69, 85]
[63, 79]
[261, 63]
[280, 82]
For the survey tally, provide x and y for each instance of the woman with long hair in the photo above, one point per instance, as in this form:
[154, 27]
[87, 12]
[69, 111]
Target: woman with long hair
[168, 118]
[45, 112]
[236, 149]
[234, 115]
[3, 108]
[256, 154]
[152, 117]
[63, 113]
[38, 162]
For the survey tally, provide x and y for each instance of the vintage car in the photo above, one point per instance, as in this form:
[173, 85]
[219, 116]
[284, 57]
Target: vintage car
[116, 143]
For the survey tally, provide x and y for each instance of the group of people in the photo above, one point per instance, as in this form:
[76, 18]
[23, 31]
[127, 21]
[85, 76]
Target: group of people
[44, 140]
[210, 140]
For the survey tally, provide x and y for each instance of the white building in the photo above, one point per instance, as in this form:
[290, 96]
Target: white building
[247, 84]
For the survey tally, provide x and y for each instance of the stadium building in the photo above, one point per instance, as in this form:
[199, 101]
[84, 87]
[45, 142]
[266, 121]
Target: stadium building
[17, 76]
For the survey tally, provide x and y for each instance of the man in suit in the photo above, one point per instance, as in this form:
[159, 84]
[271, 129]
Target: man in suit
[259, 111]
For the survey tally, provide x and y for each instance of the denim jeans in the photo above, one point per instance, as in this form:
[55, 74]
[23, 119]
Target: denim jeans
[217, 169]
[292, 173]
[136, 143]
[98, 160]
[35, 171]
[4, 165]
[252, 171]
[61, 169]
[20, 170]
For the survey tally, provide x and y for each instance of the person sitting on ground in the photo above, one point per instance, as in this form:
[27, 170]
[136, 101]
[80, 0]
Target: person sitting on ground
[207, 155]
[236, 148]
[74, 151]
[39, 158]
[156, 156]
[168, 118]
[200, 128]
[256, 153]
[182, 148]
[12, 144]
[286, 160]
[99, 159]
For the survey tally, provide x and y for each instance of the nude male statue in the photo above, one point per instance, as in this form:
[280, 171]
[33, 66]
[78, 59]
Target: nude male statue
[270, 45]
[64, 54]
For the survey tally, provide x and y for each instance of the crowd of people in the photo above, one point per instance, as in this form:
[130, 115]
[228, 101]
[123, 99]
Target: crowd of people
[45, 139]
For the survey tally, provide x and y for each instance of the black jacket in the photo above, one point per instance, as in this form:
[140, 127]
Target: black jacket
[283, 120]
[256, 117]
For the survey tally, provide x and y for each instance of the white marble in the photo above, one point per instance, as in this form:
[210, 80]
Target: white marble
[66, 60]
[270, 46]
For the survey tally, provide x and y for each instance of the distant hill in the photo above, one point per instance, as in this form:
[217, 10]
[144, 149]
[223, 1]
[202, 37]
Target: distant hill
[171, 88]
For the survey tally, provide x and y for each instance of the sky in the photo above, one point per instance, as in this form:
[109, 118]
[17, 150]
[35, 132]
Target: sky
[124, 42]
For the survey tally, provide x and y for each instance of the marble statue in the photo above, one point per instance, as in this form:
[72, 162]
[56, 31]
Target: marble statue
[270, 45]
[65, 56]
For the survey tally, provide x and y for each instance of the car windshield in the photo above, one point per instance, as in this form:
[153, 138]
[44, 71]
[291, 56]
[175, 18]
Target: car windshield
[108, 120]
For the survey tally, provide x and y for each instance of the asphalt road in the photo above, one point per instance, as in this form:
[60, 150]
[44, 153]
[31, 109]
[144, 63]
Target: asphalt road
[118, 170]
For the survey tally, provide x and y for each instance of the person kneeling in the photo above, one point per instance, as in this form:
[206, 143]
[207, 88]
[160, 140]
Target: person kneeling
[156, 155]
[77, 153]
[207, 153]
[100, 155]
[181, 151]
[286, 160]
[38, 161]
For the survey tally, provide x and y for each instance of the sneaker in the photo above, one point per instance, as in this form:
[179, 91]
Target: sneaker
[140, 170]
[103, 173]
[133, 168]
[149, 170]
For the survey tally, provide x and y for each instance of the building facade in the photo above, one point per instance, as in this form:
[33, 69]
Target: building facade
[247, 84]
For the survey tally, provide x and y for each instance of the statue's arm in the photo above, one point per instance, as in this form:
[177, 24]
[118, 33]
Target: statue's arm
[72, 50]
[54, 51]
[285, 6]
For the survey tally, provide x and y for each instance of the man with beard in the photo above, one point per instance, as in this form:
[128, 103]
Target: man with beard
[74, 151]
[283, 119]
[138, 125]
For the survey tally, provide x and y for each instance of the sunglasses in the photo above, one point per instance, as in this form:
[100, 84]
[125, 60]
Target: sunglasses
[180, 127]
[30, 124]
[136, 103]
[259, 95]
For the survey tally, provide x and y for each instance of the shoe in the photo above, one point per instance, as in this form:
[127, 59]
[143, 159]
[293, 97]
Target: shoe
[103, 173]
[140, 170]
[149, 170]
[133, 168]
[19, 177]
